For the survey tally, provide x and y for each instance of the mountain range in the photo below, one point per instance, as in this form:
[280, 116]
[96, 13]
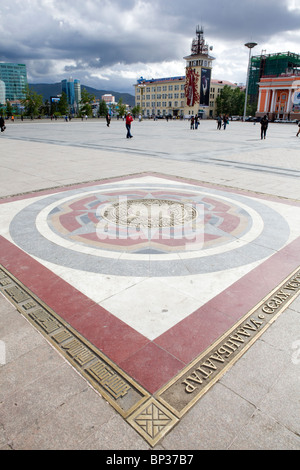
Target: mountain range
[54, 89]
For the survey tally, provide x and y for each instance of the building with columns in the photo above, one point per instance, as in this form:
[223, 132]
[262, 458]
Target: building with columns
[273, 82]
[270, 65]
[194, 93]
[279, 97]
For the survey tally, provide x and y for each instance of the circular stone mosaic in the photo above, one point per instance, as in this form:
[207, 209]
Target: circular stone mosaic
[150, 213]
[115, 230]
[143, 222]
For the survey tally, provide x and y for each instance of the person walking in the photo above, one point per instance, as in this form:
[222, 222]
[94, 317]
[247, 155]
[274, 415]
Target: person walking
[196, 122]
[192, 122]
[225, 121]
[219, 119]
[2, 124]
[107, 119]
[263, 126]
[298, 129]
[128, 122]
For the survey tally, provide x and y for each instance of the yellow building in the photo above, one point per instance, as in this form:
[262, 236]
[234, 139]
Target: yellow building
[194, 93]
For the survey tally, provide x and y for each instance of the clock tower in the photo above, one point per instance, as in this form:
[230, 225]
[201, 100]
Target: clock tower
[198, 76]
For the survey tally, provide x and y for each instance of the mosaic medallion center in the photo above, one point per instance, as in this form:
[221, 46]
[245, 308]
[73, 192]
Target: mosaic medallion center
[140, 229]
[151, 213]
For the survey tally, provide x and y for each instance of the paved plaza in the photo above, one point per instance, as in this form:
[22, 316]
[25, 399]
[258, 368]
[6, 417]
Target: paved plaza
[149, 286]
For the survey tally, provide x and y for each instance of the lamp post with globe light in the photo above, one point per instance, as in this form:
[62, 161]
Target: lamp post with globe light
[142, 87]
[250, 46]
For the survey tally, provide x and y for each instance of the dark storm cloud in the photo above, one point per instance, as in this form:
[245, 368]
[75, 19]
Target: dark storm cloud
[236, 19]
[74, 36]
[115, 31]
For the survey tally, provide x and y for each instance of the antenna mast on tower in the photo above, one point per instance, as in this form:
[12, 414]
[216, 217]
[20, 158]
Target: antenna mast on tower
[198, 44]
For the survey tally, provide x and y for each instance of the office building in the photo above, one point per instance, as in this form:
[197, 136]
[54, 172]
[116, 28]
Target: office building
[72, 89]
[109, 99]
[14, 77]
[2, 92]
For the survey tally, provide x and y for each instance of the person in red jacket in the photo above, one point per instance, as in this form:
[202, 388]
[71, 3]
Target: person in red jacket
[129, 120]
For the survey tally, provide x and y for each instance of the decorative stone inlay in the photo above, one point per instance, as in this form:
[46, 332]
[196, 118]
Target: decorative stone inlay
[151, 213]
[152, 420]
[208, 229]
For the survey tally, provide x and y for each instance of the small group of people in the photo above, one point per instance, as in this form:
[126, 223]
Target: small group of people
[264, 122]
[224, 119]
[128, 121]
[194, 122]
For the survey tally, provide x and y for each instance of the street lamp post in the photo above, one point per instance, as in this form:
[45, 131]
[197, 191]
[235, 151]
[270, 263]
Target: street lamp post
[142, 87]
[250, 46]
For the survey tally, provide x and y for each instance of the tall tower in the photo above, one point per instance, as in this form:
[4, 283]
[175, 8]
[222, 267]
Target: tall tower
[67, 87]
[198, 75]
[77, 90]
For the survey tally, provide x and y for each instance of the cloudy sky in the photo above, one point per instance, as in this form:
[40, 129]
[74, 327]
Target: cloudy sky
[109, 44]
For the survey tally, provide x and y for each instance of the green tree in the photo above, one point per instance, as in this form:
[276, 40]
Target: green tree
[53, 108]
[86, 102]
[32, 102]
[230, 101]
[223, 101]
[136, 110]
[9, 109]
[46, 108]
[62, 106]
[103, 109]
[251, 108]
[237, 102]
[121, 107]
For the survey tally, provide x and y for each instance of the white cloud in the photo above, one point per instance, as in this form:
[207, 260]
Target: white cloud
[293, 5]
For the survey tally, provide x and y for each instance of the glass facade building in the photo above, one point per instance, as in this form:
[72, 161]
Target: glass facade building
[72, 90]
[2, 92]
[14, 77]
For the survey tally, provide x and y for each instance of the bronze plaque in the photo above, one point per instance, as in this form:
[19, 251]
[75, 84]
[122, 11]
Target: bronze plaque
[185, 389]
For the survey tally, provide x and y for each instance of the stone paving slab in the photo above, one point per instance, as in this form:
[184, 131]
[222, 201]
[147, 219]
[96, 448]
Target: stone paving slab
[245, 400]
